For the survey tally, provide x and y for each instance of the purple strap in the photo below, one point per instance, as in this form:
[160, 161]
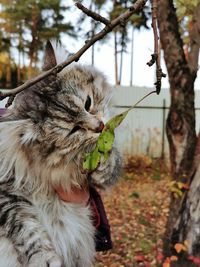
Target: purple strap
[103, 235]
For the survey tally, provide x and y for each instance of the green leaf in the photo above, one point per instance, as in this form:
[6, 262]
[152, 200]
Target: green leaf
[104, 143]
[115, 121]
[91, 160]
[106, 139]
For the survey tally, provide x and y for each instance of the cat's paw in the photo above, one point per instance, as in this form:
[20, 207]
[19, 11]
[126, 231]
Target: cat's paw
[108, 171]
[48, 259]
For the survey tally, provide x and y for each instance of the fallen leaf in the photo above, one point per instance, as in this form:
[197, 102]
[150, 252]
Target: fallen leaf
[194, 259]
[173, 258]
[147, 264]
[166, 263]
[159, 257]
[182, 185]
[180, 247]
[139, 258]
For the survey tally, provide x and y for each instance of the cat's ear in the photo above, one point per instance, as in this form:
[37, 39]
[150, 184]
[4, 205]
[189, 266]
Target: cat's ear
[49, 58]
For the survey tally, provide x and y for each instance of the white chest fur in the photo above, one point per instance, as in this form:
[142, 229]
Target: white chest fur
[71, 231]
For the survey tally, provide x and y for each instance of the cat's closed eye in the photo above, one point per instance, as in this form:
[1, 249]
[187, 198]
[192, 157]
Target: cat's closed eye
[88, 103]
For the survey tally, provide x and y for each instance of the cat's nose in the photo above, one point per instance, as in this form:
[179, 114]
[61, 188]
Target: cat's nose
[100, 128]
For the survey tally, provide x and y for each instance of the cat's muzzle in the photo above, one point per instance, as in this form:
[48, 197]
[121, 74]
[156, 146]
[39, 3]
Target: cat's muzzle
[100, 128]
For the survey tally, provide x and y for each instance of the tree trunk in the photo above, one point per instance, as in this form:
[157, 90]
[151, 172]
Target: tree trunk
[132, 42]
[93, 47]
[123, 46]
[194, 40]
[121, 56]
[8, 74]
[188, 224]
[121, 66]
[181, 119]
[33, 45]
[93, 55]
[20, 49]
[92, 32]
[116, 59]
[30, 66]
[19, 68]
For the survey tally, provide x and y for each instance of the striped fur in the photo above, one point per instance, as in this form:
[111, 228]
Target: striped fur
[43, 138]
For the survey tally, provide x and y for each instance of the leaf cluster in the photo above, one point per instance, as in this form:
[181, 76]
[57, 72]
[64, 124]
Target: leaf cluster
[104, 143]
[138, 20]
[185, 11]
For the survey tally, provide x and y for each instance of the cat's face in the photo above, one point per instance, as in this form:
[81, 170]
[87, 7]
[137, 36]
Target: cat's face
[66, 112]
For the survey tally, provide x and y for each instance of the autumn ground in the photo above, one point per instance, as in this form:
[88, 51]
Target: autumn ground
[137, 209]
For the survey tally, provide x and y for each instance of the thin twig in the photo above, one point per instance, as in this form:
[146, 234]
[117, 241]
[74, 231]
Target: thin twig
[141, 99]
[93, 14]
[138, 5]
[155, 57]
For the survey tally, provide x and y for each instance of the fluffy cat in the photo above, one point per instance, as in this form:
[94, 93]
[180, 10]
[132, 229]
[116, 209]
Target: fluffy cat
[43, 138]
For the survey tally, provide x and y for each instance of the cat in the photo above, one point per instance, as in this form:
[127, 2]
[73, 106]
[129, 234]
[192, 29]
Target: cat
[43, 139]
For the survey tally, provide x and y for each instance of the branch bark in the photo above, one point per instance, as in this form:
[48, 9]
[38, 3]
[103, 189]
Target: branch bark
[172, 43]
[138, 5]
[181, 119]
[194, 40]
[155, 57]
[93, 14]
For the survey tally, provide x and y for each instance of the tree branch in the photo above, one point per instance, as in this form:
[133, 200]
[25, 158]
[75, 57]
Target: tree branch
[138, 5]
[155, 57]
[172, 43]
[92, 14]
[194, 40]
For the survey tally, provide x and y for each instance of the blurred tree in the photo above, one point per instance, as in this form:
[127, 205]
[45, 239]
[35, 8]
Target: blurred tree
[121, 34]
[178, 30]
[5, 59]
[28, 24]
[185, 11]
[96, 6]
